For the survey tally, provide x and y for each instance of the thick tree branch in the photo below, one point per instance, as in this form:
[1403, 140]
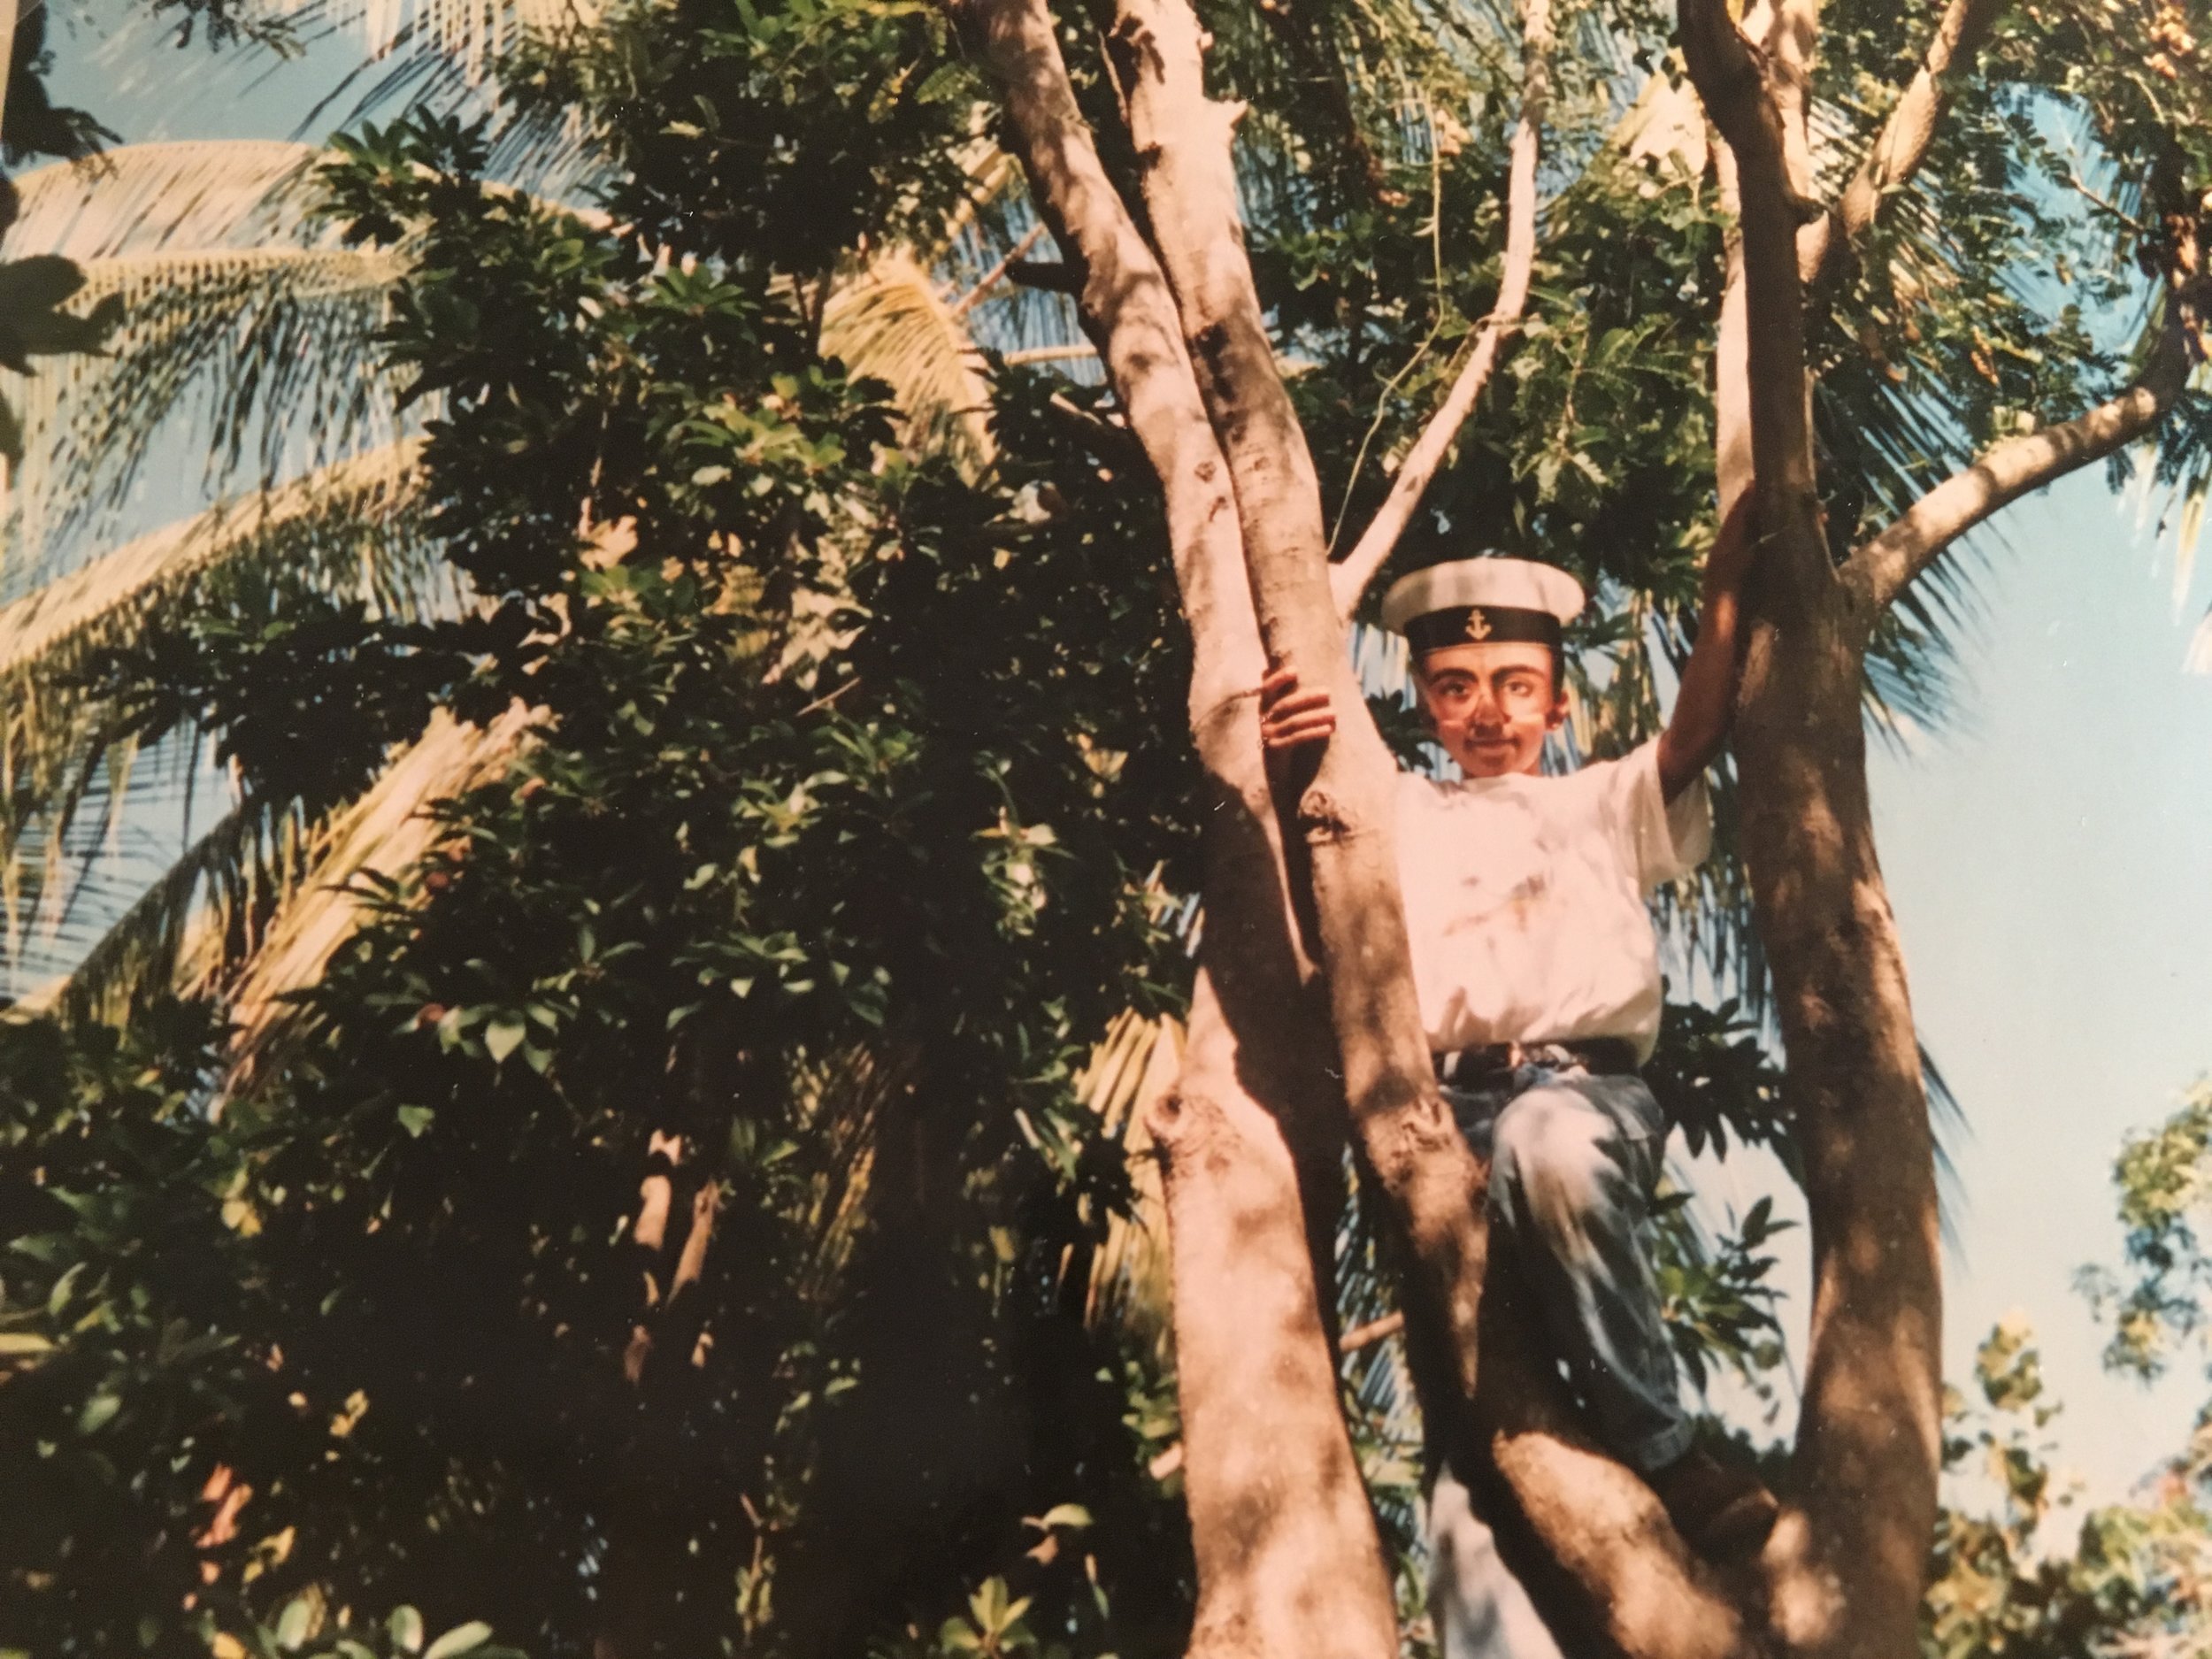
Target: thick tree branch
[1846, 1561]
[1608, 1570]
[1883, 568]
[1288, 1560]
[1902, 144]
[1344, 814]
[1745, 89]
[1725, 69]
[1349, 578]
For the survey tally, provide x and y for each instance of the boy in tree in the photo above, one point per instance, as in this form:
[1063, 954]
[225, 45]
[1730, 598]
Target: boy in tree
[1537, 974]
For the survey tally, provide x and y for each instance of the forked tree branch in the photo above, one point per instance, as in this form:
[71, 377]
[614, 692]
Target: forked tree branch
[1354, 914]
[1632, 1577]
[1902, 144]
[1130, 315]
[1349, 578]
[1885, 566]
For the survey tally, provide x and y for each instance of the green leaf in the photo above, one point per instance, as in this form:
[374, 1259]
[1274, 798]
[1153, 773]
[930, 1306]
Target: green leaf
[98, 1412]
[503, 1036]
[292, 1624]
[415, 1119]
[461, 1638]
[406, 1627]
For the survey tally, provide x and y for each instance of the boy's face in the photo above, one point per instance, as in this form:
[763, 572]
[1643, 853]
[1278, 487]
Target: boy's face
[1491, 705]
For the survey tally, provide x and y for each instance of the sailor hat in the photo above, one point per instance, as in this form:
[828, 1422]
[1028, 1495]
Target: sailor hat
[1473, 601]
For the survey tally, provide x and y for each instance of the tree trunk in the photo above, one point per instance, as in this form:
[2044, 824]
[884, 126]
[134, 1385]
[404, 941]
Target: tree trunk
[1849, 1557]
[1288, 1559]
[1272, 1500]
[1347, 874]
[1847, 1560]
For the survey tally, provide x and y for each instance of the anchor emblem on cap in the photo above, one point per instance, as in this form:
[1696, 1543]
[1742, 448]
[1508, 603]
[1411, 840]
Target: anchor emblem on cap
[1478, 624]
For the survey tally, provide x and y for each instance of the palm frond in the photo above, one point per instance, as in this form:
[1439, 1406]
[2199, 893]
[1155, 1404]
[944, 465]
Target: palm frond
[269, 352]
[891, 322]
[177, 928]
[1130, 1070]
[471, 35]
[355, 526]
[383, 834]
[142, 198]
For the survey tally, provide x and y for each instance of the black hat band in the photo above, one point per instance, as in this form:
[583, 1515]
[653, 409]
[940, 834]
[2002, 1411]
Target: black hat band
[1482, 624]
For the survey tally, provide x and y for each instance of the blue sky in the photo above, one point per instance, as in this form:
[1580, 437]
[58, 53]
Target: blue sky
[2046, 854]
[2047, 865]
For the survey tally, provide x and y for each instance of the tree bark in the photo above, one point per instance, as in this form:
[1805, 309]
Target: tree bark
[1344, 815]
[1902, 144]
[1596, 1551]
[1288, 1559]
[1885, 566]
[1846, 1563]
[1186, 350]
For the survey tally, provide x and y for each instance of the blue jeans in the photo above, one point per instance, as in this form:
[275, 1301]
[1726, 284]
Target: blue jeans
[1573, 1162]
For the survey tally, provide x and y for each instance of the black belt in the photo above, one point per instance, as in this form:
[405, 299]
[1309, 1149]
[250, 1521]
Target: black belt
[1600, 1056]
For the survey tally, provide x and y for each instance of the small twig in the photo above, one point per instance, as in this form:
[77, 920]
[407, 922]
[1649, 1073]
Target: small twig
[1053, 354]
[824, 702]
[993, 277]
[2129, 219]
[1367, 1335]
[1349, 578]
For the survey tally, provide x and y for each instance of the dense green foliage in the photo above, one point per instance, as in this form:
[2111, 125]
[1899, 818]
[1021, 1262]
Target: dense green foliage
[827, 856]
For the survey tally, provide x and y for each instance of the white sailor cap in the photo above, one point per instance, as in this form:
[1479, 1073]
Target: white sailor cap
[1474, 600]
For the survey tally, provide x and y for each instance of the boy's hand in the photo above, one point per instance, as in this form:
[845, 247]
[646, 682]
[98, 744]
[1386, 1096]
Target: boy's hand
[1291, 719]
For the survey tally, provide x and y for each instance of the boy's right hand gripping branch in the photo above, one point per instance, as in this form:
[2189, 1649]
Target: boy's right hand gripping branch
[1291, 719]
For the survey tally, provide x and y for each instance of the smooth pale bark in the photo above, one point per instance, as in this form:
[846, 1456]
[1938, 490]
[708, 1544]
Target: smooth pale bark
[1846, 1562]
[1349, 904]
[1288, 1560]
[1886, 565]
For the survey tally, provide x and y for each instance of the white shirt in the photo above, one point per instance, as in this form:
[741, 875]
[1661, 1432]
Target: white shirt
[1525, 900]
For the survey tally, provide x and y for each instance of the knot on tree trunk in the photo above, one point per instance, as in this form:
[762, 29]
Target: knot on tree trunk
[1210, 349]
[1322, 820]
[1189, 1125]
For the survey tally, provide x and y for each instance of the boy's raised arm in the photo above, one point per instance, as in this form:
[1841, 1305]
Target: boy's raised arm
[1705, 704]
